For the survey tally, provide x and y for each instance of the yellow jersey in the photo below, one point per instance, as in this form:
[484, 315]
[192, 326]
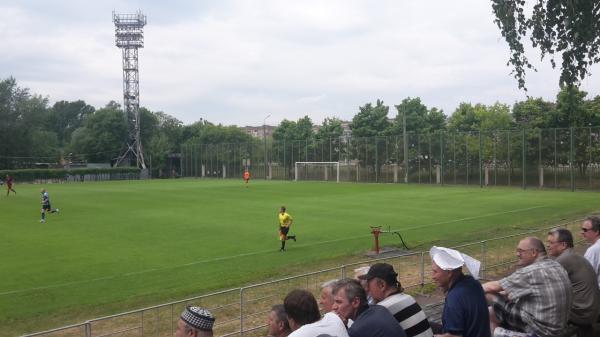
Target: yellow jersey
[285, 220]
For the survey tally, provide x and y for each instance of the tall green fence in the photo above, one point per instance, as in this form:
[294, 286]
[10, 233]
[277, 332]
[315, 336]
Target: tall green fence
[527, 158]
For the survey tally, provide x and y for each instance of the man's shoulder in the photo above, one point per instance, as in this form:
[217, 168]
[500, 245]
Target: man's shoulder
[398, 299]
[569, 257]
[594, 248]
[375, 311]
[467, 282]
[464, 290]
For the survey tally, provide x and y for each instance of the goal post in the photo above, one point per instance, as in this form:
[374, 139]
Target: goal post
[317, 170]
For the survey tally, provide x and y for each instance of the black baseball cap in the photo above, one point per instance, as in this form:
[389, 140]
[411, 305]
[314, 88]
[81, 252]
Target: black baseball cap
[383, 271]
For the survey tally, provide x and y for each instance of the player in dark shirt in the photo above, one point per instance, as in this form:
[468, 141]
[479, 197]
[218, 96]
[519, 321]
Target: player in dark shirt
[46, 205]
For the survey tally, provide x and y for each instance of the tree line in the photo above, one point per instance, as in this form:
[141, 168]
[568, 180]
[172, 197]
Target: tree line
[32, 130]
[572, 108]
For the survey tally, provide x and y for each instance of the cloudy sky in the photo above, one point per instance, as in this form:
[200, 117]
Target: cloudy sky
[238, 61]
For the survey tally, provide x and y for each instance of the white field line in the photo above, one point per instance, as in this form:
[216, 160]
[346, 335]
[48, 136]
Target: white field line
[223, 258]
[473, 217]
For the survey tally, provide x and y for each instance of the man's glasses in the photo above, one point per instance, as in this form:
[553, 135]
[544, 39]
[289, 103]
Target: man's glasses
[585, 230]
[521, 251]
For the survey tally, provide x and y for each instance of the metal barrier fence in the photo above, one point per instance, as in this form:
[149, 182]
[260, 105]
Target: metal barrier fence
[550, 158]
[243, 311]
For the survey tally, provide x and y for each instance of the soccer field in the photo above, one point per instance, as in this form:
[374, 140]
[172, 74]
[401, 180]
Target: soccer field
[117, 246]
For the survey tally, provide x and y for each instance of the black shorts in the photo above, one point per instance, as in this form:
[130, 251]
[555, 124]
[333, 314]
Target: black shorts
[46, 207]
[284, 230]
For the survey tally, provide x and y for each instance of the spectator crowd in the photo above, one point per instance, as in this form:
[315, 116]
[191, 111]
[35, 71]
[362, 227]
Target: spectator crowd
[554, 292]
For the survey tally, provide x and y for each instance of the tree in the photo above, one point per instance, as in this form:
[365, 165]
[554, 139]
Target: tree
[465, 118]
[418, 117]
[21, 116]
[64, 117]
[291, 140]
[102, 138]
[533, 113]
[369, 126]
[330, 129]
[568, 28]
[329, 146]
[570, 108]
[371, 120]
[161, 135]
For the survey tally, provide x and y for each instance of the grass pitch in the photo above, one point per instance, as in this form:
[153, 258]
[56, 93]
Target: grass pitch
[117, 246]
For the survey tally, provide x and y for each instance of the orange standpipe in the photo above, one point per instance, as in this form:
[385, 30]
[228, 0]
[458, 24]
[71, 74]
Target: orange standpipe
[375, 231]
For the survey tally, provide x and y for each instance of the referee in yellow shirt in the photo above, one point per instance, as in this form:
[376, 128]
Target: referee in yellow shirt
[285, 221]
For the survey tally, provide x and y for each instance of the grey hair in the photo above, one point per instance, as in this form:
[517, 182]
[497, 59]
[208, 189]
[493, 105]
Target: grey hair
[329, 283]
[353, 290]
[563, 235]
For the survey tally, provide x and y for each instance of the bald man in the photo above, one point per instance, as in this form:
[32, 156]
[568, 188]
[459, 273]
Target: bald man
[535, 299]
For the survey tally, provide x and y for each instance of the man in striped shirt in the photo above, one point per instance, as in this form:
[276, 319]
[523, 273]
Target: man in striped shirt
[384, 287]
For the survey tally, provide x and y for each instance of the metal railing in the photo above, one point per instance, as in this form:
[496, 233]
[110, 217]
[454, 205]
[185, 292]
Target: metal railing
[243, 311]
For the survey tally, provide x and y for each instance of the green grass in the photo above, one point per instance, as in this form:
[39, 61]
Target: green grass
[117, 246]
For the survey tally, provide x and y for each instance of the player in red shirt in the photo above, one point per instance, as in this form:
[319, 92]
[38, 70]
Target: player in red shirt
[9, 183]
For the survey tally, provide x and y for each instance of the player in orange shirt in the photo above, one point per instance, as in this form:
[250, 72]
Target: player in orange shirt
[246, 177]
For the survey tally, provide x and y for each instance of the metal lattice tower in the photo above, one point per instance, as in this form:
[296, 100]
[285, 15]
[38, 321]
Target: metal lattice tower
[129, 36]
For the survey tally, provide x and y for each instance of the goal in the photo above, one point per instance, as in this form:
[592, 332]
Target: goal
[319, 170]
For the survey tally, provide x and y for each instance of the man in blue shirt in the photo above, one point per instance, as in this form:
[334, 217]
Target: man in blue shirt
[350, 303]
[465, 310]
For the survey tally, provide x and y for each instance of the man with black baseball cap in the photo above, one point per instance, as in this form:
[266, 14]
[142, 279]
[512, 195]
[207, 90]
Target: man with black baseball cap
[384, 287]
[195, 322]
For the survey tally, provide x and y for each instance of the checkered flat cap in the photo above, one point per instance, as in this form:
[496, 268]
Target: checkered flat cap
[198, 318]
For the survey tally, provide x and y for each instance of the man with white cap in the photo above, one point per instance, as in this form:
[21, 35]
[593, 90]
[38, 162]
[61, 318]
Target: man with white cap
[535, 299]
[465, 309]
[195, 322]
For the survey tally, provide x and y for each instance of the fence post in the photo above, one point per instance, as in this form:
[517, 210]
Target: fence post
[483, 259]
[571, 159]
[88, 329]
[524, 159]
[422, 268]
[480, 160]
[441, 157]
[241, 312]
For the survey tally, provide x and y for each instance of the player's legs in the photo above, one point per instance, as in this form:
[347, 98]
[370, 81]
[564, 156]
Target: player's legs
[43, 215]
[282, 237]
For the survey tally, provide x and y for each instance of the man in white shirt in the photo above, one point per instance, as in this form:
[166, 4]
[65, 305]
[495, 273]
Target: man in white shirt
[305, 320]
[590, 230]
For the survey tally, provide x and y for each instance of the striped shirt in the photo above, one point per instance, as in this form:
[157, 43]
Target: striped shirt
[409, 314]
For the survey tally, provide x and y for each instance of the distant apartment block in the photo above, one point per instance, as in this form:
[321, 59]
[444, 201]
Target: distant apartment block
[259, 132]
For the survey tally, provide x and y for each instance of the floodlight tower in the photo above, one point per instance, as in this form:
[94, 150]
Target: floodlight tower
[129, 36]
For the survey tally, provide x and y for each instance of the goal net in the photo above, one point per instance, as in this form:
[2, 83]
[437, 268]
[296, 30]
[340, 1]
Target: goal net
[321, 170]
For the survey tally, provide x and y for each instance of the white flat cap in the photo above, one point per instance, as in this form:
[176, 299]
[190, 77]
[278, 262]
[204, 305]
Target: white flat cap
[449, 259]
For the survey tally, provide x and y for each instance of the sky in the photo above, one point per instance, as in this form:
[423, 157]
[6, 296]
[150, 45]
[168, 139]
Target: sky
[249, 62]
